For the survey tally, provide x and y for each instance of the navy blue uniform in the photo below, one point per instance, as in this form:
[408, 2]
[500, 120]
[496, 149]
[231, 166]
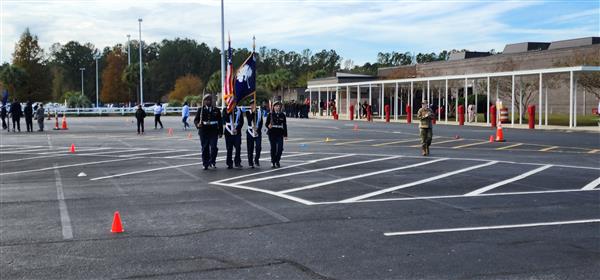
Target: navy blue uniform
[233, 122]
[210, 127]
[254, 136]
[276, 132]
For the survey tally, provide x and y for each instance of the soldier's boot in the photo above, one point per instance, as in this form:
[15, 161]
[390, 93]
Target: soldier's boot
[427, 150]
[424, 151]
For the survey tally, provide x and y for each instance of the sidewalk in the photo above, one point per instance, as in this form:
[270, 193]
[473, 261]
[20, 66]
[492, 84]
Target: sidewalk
[479, 124]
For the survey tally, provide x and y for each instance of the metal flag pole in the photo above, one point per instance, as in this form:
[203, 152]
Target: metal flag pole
[255, 74]
[222, 55]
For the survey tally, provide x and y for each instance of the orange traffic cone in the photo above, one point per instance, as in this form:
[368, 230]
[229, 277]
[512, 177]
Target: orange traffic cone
[491, 138]
[64, 122]
[499, 133]
[117, 227]
[72, 149]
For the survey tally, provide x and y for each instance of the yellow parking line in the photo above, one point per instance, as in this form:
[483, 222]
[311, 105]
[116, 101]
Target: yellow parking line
[318, 141]
[437, 143]
[593, 151]
[548, 149]
[395, 142]
[352, 142]
[469, 145]
[510, 146]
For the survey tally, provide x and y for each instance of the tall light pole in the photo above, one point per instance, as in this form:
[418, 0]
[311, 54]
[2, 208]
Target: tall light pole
[82, 69]
[141, 66]
[128, 49]
[222, 53]
[96, 57]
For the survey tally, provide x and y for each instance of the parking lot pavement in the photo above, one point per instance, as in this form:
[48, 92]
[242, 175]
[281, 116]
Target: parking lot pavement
[348, 203]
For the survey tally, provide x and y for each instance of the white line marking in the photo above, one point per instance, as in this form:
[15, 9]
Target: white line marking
[509, 180]
[510, 146]
[353, 142]
[150, 153]
[66, 150]
[65, 166]
[360, 176]
[591, 185]
[28, 158]
[118, 151]
[185, 155]
[548, 149]
[149, 170]
[314, 170]
[65, 221]
[285, 167]
[453, 196]
[471, 145]
[34, 150]
[437, 143]
[289, 197]
[353, 199]
[491, 227]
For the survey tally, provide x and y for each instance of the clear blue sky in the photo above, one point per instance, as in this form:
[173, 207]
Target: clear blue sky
[356, 29]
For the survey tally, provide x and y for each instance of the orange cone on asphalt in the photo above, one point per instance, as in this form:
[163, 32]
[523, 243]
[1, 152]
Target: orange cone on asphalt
[499, 133]
[491, 138]
[56, 124]
[72, 149]
[117, 227]
[64, 122]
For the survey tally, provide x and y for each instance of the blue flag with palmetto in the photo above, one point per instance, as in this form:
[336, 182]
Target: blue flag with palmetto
[245, 79]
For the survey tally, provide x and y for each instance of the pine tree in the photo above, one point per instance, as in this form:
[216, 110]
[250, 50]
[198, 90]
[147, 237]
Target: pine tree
[114, 89]
[30, 57]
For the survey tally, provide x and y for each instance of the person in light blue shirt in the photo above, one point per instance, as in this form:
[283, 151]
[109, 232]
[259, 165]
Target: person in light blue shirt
[185, 114]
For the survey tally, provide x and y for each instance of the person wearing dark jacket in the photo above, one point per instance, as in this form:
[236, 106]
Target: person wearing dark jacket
[234, 122]
[4, 116]
[254, 116]
[15, 113]
[276, 123]
[140, 114]
[28, 112]
[209, 123]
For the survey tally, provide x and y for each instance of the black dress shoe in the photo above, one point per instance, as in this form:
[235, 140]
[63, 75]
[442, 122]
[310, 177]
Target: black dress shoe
[252, 166]
[278, 165]
[229, 167]
[239, 166]
[206, 168]
[256, 163]
[273, 166]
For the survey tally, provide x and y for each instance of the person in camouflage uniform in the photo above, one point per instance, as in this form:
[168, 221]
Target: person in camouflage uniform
[425, 116]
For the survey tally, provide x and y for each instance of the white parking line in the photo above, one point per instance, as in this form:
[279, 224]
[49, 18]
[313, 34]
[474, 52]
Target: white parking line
[151, 153]
[395, 142]
[592, 185]
[314, 170]
[149, 170]
[32, 150]
[66, 150]
[510, 146]
[65, 221]
[360, 176]
[65, 166]
[441, 142]
[289, 197]
[28, 158]
[353, 142]
[470, 145]
[118, 151]
[371, 194]
[491, 227]
[507, 181]
[185, 155]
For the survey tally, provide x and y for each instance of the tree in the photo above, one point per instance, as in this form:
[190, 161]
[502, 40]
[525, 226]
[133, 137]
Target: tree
[114, 89]
[186, 86]
[131, 79]
[76, 100]
[72, 56]
[30, 57]
[13, 77]
[214, 82]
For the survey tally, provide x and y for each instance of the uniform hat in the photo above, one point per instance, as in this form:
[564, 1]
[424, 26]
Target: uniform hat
[206, 96]
[277, 102]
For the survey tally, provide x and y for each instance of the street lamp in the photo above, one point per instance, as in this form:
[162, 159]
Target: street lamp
[141, 65]
[96, 57]
[81, 69]
[128, 49]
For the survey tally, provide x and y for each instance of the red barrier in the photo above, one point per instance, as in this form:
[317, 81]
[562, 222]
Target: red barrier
[387, 113]
[493, 115]
[531, 112]
[351, 112]
[408, 114]
[461, 115]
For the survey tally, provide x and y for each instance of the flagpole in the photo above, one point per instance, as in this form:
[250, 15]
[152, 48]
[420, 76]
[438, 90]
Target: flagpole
[256, 74]
[222, 55]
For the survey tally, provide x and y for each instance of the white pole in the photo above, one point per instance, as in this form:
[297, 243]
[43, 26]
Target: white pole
[223, 54]
[319, 102]
[520, 100]
[371, 96]
[128, 49]
[439, 105]
[396, 103]
[546, 107]
[475, 93]
[358, 106]
[348, 101]
[337, 99]
[381, 100]
[141, 65]
[446, 104]
[428, 94]
[512, 102]
[487, 104]
[97, 57]
[310, 99]
[570, 99]
[540, 102]
[411, 98]
[327, 101]
[466, 96]
[401, 101]
[575, 102]
[81, 69]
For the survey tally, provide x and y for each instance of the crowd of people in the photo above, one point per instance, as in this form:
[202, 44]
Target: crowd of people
[296, 109]
[13, 112]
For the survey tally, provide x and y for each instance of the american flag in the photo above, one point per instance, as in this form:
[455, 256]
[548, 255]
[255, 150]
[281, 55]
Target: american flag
[228, 87]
